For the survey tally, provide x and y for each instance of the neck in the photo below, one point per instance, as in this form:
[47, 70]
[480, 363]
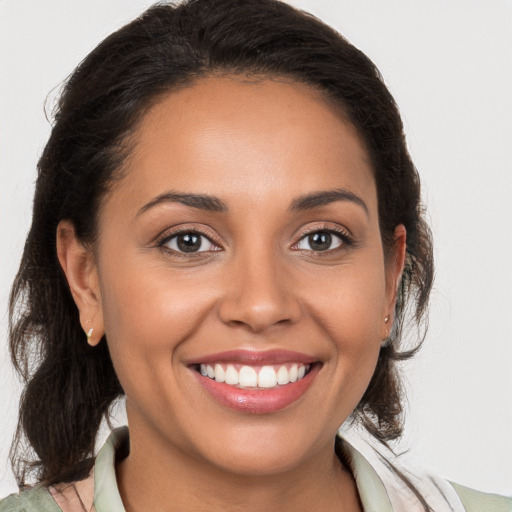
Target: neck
[162, 477]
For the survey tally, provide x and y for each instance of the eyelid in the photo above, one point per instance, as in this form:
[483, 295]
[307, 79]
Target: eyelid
[163, 238]
[343, 233]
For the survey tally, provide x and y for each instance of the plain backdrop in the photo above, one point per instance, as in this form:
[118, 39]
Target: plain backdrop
[449, 66]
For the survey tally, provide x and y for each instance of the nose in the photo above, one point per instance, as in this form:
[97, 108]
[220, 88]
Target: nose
[259, 293]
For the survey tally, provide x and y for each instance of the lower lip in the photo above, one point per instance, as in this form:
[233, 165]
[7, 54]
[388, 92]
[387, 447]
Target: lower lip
[257, 401]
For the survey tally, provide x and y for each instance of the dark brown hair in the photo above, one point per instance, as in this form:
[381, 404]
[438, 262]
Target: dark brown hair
[71, 386]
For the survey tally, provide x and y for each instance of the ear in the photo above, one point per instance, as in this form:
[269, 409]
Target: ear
[394, 268]
[79, 266]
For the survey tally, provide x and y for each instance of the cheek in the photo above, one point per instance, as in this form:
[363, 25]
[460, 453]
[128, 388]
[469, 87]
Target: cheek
[351, 303]
[150, 313]
[349, 311]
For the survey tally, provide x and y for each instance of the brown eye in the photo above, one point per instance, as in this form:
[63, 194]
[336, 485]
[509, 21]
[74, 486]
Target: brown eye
[190, 242]
[320, 241]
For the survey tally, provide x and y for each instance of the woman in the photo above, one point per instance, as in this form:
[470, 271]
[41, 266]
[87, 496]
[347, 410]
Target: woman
[238, 240]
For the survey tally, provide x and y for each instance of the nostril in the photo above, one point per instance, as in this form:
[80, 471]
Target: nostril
[257, 300]
[256, 315]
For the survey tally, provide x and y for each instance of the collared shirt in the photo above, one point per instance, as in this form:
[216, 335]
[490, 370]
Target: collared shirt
[383, 482]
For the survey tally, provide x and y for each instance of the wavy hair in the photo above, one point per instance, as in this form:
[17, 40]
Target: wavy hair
[69, 386]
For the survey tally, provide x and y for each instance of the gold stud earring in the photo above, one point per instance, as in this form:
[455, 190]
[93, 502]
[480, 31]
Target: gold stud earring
[386, 341]
[89, 334]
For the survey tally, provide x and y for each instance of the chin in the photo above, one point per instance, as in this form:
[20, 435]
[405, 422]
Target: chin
[253, 463]
[263, 451]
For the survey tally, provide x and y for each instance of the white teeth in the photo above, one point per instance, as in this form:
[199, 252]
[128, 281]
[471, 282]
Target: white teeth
[293, 373]
[231, 375]
[220, 374]
[283, 376]
[267, 377]
[248, 378]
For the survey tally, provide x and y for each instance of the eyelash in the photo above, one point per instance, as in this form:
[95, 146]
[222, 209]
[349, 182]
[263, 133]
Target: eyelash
[167, 237]
[344, 236]
[164, 239]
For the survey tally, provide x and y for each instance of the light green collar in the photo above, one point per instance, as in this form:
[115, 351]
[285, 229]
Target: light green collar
[107, 498]
[370, 487]
[106, 492]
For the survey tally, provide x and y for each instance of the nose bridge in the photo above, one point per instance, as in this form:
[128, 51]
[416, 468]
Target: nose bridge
[257, 294]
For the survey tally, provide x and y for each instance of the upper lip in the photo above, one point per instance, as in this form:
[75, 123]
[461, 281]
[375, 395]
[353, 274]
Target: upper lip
[255, 357]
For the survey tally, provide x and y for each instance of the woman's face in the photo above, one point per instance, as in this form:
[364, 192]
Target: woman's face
[243, 242]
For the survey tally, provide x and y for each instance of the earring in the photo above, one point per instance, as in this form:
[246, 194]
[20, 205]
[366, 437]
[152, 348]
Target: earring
[89, 334]
[386, 320]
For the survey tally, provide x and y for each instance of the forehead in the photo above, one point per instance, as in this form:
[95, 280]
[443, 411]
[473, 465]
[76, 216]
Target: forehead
[241, 139]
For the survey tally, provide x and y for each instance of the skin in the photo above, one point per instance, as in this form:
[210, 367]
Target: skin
[257, 146]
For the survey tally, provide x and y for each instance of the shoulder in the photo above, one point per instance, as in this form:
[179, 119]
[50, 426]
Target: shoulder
[77, 495]
[477, 501]
[36, 499]
[11, 504]
[382, 476]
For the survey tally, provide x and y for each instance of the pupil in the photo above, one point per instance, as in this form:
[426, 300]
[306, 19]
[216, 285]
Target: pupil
[320, 241]
[189, 242]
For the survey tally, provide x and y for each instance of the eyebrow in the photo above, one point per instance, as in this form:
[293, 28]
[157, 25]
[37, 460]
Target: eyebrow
[214, 204]
[322, 198]
[200, 201]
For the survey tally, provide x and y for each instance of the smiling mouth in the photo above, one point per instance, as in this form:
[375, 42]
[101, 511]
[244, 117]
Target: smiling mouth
[256, 382]
[254, 377]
